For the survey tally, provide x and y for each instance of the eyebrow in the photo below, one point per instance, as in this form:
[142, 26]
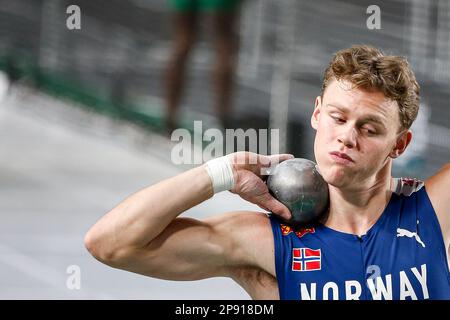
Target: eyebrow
[369, 118]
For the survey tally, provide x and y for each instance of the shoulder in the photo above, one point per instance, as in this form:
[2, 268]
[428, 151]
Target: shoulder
[245, 227]
[438, 188]
[249, 237]
[241, 223]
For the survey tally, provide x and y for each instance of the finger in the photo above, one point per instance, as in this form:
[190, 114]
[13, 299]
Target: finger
[267, 163]
[273, 205]
[274, 159]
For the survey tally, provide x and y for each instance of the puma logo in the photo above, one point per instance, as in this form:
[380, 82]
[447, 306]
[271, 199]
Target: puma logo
[409, 234]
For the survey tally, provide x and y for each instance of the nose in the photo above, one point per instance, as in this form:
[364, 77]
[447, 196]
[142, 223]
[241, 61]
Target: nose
[348, 137]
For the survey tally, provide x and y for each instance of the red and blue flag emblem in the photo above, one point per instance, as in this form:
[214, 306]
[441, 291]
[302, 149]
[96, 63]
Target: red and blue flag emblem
[285, 230]
[306, 259]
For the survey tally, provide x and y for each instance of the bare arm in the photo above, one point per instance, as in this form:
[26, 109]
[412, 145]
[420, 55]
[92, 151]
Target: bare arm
[136, 221]
[143, 234]
[438, 187]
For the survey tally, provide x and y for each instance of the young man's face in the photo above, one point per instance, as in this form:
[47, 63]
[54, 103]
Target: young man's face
[357, 132]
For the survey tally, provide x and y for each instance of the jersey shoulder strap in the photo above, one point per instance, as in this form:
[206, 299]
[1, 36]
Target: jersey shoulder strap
[406, 186]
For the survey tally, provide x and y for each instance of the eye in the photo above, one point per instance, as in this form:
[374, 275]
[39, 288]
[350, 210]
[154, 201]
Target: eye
[338, 119]
[369, 131]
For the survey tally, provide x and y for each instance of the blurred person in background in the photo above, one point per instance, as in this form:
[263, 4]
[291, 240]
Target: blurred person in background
[224, 14]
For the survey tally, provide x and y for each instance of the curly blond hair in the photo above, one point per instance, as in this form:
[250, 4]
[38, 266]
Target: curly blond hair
[369, 68]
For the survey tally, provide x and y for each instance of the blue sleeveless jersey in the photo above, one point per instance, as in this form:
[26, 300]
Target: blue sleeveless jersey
[401, 257]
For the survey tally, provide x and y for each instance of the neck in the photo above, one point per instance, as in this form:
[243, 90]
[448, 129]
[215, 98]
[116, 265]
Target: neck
[356, 209]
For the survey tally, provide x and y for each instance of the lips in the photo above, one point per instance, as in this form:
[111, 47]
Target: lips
[340, 155]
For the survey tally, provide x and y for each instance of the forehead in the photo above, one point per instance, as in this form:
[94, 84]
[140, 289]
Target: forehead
[343, 95]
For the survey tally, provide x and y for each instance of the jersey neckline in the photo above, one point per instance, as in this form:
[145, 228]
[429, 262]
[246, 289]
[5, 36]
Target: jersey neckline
[373, 228]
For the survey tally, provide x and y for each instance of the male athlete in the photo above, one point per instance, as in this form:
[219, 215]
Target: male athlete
[372, 244]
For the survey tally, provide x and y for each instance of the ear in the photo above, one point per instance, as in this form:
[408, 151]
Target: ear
[402, 142]
[316, 113]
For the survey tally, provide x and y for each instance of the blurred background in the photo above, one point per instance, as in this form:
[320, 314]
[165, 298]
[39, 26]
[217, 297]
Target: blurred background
[83, 114]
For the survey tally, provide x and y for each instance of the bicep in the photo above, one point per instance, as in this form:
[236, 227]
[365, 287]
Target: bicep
[438, 187]
[190, 249]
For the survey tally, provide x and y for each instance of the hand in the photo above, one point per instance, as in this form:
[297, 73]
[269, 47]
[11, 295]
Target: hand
[250, 172]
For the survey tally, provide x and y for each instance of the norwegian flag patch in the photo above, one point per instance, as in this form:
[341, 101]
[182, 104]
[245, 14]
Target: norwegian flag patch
[306, 259]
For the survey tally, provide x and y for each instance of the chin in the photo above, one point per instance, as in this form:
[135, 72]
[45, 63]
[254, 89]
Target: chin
[334, 175]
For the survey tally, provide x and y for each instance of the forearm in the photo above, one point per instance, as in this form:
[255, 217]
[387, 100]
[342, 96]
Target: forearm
[136, 221]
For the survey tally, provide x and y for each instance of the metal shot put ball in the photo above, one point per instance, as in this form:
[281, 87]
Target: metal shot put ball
[299, 186]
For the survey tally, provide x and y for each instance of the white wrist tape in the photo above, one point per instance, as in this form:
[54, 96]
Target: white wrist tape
[220, 171]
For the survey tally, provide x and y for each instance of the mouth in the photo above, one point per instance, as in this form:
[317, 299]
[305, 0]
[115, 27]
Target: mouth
[341, 158]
